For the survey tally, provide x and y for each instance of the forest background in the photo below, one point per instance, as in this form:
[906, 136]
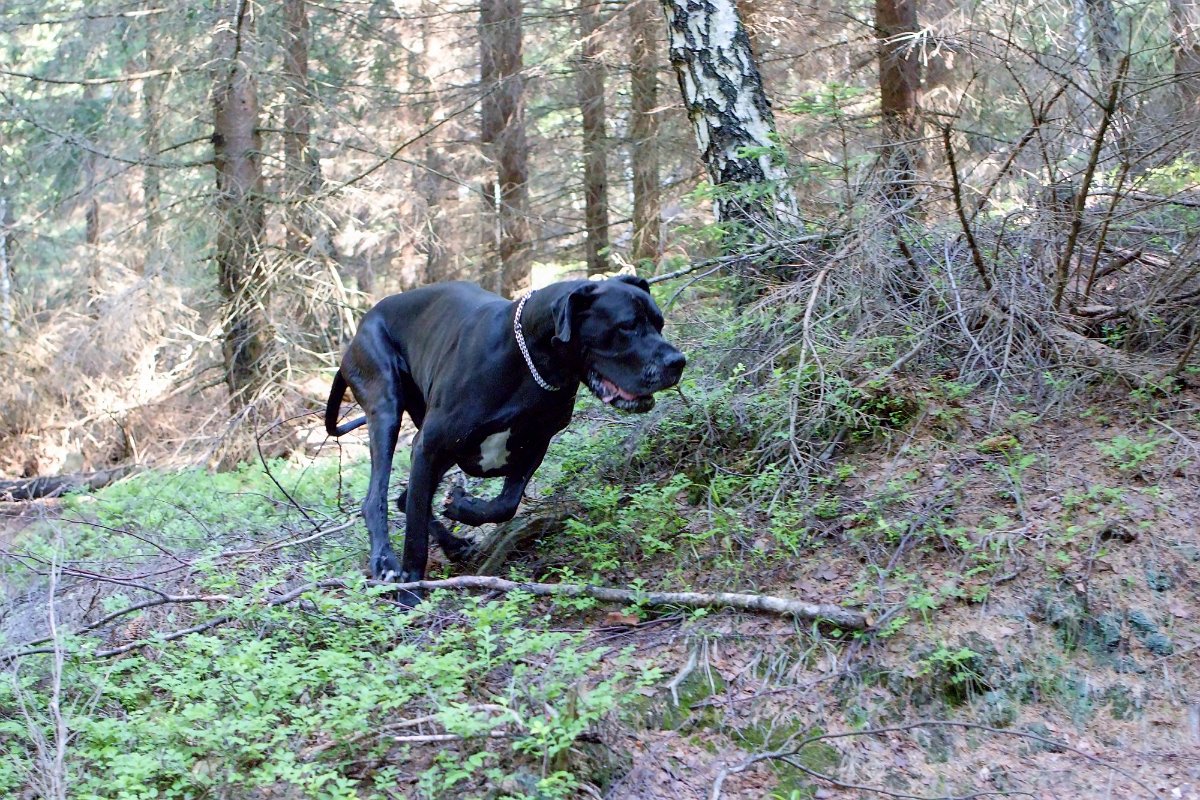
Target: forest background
[935, 266]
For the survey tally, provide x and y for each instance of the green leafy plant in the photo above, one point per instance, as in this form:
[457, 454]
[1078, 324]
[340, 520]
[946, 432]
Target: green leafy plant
[1127, 454]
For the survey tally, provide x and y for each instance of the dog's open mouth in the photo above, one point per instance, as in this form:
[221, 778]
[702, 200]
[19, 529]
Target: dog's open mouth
[612, 394]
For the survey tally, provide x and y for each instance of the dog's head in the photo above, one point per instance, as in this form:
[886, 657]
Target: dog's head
[616, 329]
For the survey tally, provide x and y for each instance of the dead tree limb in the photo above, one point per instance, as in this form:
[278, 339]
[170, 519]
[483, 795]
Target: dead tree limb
[798, 609]
[842, 617]
[56, 485]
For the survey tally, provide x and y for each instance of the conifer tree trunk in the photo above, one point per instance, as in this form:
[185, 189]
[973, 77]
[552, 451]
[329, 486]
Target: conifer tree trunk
[503, 138]
[237, 151]
[307, 235]
[152, 113]
[901, 153]
[1185, 46]
[729, 110]
[7, 326]
[643, 131]
[590, 87]
[91, 233]
[1106, 36]
[437, 242]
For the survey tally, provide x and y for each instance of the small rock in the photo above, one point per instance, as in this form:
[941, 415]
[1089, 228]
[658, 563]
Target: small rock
[1108, 626]
[1159, 580]
[1159, 644]
[1040, 729]
[1141, 622]
[999, 711]
[1189, 551]
[1128, 664]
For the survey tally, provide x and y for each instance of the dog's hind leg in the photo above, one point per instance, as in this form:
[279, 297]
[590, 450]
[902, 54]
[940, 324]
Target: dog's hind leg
[423, 481]
[383, 426]
[374, 377]
[457, 548]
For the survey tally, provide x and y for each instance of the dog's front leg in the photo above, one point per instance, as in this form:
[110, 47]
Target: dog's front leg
[471, 510]
[427, 471]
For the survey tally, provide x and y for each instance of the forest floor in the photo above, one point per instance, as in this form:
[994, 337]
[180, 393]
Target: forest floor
[1034, 580]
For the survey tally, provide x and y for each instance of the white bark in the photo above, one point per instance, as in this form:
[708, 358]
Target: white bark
[724, 98]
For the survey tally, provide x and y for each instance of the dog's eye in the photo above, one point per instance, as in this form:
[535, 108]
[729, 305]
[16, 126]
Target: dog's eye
[628, 326]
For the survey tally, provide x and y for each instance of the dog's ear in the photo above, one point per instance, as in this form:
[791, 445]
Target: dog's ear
[567, 307]
[634, 280]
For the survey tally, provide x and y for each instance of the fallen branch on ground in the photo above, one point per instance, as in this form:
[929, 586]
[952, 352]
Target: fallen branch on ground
[1139, 372]
[842, 617]
[56, 485]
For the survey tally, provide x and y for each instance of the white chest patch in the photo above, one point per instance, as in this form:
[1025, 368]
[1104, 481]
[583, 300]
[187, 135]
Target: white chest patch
[493, 452]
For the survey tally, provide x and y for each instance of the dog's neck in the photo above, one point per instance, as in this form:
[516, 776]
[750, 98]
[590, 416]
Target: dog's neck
[537, 328]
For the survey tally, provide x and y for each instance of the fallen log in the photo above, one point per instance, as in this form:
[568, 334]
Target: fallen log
[57, 485]
[799, 609]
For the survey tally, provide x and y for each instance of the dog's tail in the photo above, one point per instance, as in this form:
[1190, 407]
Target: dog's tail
[334, 407]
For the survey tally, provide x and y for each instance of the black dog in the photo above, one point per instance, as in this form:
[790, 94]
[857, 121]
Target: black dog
[488, 383]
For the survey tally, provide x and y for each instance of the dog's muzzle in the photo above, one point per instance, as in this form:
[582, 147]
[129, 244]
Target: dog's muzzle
[662, 374]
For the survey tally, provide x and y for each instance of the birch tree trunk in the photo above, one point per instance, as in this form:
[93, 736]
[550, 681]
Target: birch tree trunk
[237, 152]
[643, 132]
[729, 110]
[590, 87]
[901, 153]
[503, 138]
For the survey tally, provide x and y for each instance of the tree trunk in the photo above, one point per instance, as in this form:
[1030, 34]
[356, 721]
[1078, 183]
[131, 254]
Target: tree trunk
[503, 138]
[902, 154]
[1106, 37]
[91, 233]
[643, 132]
[1185, 46]
[436, 202]
[7, 326]
[237, 151]
[306, 234]
[590, 86]
[152, 141]
[724, 98]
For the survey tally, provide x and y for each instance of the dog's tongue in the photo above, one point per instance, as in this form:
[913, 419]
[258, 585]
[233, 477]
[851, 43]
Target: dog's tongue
[612, 391]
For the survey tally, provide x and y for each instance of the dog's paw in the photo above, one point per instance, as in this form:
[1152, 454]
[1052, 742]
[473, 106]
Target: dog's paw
[459, 505]
[458, 549]
[385, 567]
[409, 598]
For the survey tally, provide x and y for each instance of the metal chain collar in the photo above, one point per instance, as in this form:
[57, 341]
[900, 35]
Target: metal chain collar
[524, 348]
